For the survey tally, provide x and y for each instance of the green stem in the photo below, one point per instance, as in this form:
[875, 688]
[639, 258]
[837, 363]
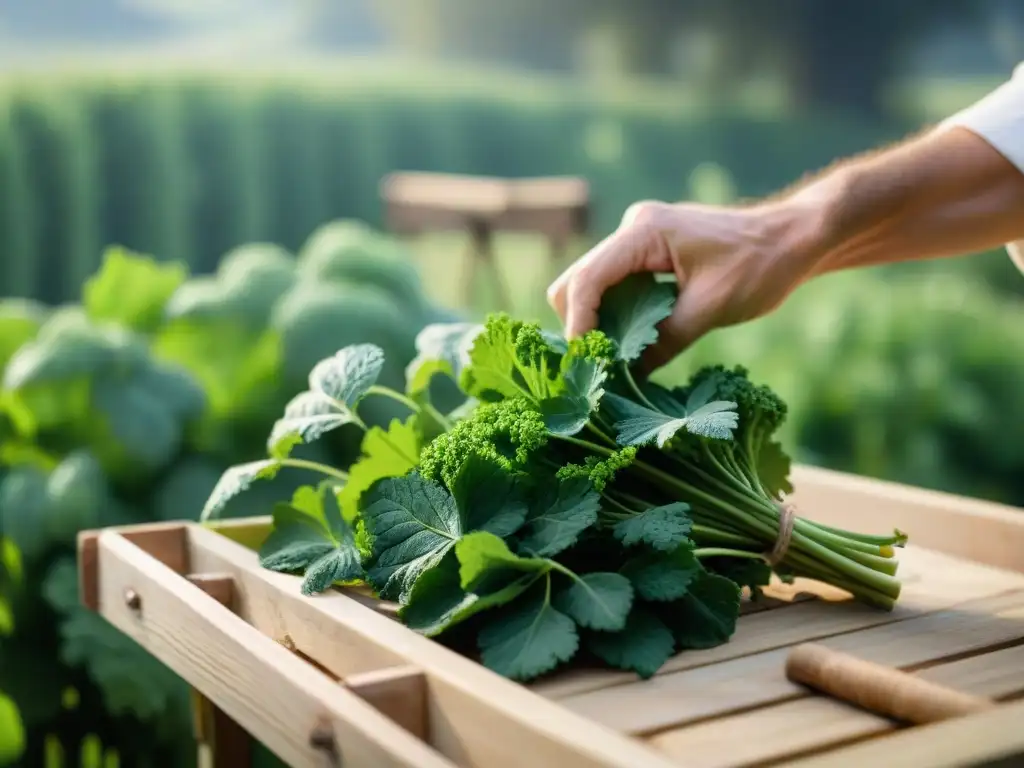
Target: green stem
[408, 402]
[314, 466]
[636, 389]
[724, 552]
[712, 534]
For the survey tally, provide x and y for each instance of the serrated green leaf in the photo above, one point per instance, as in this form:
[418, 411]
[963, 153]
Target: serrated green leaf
[631, 311]
[440, 348]
[529, 637]
[599, 601]
[642, 646]
[664, 527]
[299, 543]
[486, 563]
[236, 480]
[132, 289]
[78, 497]
[385, 453]
[488, 498]
[663, 576]
[413, 523]
[636, 424]
[706, 615]
[558, 516]
[556, 341]
[307, 417]
[349, 374]
[565, 415]
[584, 378]
[437, 601]
[492, 372]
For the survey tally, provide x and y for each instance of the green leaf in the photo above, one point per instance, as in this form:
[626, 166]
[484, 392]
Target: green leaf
[385, 453]
[773, 466]
[583, 381]
[631, 311]
[485, 560]
[131, 289]
[492, 373]
[20, 321]
[307, 417]
[643, 646]
[529, 637]
[599, 601]
[12, 732]
[298, 543]
[663, 576]
[565, 415]
[706, 615]
[488, 498]
[413, 523]
[349, 374]
[237, 480]
[143, 432]
[79, 497]
[437, 601]
[561, 513]
[639, 425]
[663, 528]
[441, 348]
[24, 511]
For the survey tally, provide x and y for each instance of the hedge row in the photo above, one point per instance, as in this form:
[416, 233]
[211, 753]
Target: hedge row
[186, 166]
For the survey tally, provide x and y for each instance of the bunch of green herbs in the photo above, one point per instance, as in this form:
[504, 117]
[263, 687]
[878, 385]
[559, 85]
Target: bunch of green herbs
[568, 510]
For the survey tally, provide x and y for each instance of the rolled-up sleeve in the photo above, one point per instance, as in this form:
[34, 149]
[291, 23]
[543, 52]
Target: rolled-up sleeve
[998, 118]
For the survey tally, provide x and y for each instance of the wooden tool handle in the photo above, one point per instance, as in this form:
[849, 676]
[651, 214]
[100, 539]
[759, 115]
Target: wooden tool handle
[880, 689]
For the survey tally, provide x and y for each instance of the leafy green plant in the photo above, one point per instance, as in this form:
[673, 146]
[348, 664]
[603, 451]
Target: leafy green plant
[571, 511]
[127, 408]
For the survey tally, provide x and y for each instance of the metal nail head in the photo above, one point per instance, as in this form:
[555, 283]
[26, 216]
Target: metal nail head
[132, 599]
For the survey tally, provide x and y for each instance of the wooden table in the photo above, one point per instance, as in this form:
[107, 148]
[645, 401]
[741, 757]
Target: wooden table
[336, 680]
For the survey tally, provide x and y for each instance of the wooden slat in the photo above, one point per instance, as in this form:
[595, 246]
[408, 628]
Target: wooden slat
[814, 723]
[932, 581]
[259, 684]
[672, 700]
[164, 541]
[976, 740]
[398, 692]
[970, 528]
[477, 718]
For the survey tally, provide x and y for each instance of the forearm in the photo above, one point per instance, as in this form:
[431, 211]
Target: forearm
[942, 194]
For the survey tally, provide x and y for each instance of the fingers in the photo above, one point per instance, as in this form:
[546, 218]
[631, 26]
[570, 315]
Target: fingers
[635, 247]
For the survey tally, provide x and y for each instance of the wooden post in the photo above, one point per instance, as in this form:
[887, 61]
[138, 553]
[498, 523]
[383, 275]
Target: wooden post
[556, 207]
[222, 743]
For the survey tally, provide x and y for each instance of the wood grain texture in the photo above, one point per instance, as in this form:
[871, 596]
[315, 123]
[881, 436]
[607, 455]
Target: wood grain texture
[975, 740]
[977, 530]
[817, 722]
[672, 700]
[477, 718]
[398, 692]
[262, 686]
[932, 581]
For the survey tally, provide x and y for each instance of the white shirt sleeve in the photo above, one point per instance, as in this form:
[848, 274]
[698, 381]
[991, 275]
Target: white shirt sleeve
[998, 118]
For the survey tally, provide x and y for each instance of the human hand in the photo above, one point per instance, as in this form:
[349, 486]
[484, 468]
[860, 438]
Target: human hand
[731, 265]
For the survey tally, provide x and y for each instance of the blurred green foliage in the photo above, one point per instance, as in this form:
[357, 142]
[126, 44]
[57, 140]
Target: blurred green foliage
[188, 165]
[126, 407]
